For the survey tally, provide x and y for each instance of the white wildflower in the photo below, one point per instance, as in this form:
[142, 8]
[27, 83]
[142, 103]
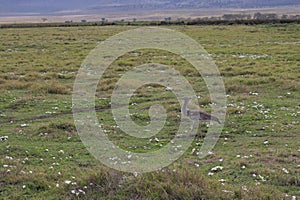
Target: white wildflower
[81, 191]
[3, 138]
[227, 191]
[266, 142]
[217, 168]
[169, 89]
[285, 170]
[245, 188]
[262, 178]
[193, 151]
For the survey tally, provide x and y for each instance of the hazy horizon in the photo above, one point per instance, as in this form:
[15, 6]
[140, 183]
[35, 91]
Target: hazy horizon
[65, 7]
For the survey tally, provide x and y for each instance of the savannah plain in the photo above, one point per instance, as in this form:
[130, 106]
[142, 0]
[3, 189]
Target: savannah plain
[256, 157]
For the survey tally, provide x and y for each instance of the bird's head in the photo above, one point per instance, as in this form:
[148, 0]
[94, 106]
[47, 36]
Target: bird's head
[187, 99]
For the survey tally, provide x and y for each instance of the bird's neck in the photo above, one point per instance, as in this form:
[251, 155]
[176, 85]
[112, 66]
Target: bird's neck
[184, 108]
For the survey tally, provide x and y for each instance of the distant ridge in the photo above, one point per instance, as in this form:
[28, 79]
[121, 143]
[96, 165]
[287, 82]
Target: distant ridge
[50, 7]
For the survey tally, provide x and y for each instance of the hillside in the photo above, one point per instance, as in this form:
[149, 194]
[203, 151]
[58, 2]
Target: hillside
[37, 7]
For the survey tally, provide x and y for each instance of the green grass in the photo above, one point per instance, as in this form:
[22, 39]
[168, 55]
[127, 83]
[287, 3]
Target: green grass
[261, 71]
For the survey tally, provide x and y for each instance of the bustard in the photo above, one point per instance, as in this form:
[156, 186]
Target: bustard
[197, 115]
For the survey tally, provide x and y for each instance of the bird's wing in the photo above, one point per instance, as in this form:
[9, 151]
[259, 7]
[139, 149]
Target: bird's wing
[203, 116]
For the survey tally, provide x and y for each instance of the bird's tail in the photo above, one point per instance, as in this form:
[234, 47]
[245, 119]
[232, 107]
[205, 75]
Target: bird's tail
[213, 118]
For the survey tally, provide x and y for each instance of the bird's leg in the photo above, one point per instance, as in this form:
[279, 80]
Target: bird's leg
[193, 125]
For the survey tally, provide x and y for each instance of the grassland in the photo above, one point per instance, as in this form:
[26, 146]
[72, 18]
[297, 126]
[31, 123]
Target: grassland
[259, 148]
